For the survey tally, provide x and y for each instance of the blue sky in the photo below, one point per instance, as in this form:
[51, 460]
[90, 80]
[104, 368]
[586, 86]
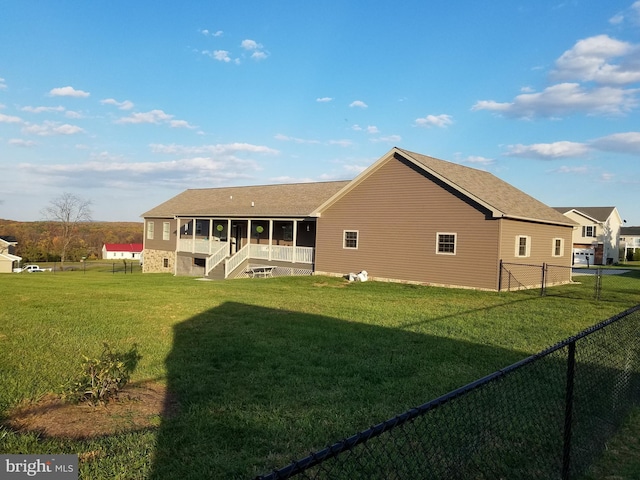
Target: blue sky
[129, 103]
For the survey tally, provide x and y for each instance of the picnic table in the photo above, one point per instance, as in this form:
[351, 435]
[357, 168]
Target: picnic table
[261, 271]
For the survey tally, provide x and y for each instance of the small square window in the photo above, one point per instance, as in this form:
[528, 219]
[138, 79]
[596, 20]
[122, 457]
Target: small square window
[446, 243]
[350, 239]
[165, 262]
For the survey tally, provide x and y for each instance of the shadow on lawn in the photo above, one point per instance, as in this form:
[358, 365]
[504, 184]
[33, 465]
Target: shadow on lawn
[257, 387]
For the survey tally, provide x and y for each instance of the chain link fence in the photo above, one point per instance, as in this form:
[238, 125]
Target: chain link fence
[537, 279]
[547, 416]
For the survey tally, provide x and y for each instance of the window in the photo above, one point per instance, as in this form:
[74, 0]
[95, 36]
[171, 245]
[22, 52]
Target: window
[558, 247]
[589, 231]
[287, 232]
[523, 246]
[200, 262]
[165, 262]
[150, 227]
[446, 244]
[166, 230]
[350, 239]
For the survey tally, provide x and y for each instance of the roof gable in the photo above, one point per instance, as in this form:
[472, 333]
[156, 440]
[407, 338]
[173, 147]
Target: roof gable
[282, 200]
[123, 247]
[597, 214]
[485, 189]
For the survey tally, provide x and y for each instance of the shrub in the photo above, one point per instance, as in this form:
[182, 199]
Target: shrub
[102, 378]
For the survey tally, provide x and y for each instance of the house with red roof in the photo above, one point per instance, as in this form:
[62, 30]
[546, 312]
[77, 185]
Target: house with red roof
[122, 251]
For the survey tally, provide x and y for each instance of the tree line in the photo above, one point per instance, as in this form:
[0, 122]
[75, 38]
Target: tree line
[44, 241]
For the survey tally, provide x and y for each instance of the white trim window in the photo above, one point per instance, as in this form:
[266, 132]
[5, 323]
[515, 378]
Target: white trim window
[589, 231]
[558, 247]
[446, 243]
[523, 246]
[350, 239]
[166, 230]
[150, 228]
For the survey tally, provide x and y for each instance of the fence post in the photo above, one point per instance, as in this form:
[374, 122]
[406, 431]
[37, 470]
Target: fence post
[598, 283]
[500, 277]
[544, 268]
[568, 411]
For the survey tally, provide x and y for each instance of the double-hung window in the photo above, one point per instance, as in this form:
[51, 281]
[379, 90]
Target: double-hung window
[523, 246]
[588, 230]
[350, 240]
[558, 247]
[446, 244]
[166, 230]
[150, 227]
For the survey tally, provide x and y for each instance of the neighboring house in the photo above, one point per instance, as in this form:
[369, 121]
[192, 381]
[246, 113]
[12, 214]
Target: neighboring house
[8, 259]
[629, 241]
[596, 239]
[120, 251]
[406, 218]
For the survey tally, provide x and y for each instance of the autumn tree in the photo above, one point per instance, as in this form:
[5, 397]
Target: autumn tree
[67, 211]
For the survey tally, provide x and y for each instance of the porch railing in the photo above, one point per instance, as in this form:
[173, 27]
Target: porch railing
[282, 253]
[199, 245]
[214, 260]
[233, 262]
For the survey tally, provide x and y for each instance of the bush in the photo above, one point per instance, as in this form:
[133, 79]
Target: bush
[102, 378]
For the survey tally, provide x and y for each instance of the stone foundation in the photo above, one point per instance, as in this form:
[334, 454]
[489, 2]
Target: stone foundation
[154, 261]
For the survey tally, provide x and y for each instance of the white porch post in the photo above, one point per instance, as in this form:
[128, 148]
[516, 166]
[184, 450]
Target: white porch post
[193, 236]
[270, 237]
[295, 240]
[210, 234]
[175, 255]
[249, 235]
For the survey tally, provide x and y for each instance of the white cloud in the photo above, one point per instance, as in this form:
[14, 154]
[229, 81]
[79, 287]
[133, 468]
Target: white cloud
[73, 114]
[341, 143]
[258, 52]
[153, 116]
[565, 99]
[220, 55]
[3, 84]
[286, 138]
[476, 160]
[250, 45]
[124, 105]
[434, 121]
[181, 124]
[372, 129]
[548, 151]
[358, 104]
[19, 142]
[68, 92]
[324, 99]
[572, 170]
[591, 59]
[218, 149]
[42, 109]
[607, 177]
[9, 119]
[219, 33]
[48, 129]
[628, 142]
[388, 139]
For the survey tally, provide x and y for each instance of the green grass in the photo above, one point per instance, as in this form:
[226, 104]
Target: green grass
[267, 370]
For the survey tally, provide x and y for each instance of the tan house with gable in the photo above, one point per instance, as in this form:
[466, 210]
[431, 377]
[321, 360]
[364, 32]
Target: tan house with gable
[8, 259]
[406, 218]
[596, 238]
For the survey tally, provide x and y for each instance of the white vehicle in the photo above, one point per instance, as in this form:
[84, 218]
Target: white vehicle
[31, 269]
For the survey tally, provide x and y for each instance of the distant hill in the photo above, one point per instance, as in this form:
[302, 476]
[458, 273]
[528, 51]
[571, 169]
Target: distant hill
[40, 241]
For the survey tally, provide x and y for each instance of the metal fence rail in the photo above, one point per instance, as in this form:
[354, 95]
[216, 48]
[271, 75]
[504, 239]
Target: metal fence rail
[547, 416]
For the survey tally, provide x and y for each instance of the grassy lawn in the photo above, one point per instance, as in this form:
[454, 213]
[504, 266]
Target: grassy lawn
[266, 370]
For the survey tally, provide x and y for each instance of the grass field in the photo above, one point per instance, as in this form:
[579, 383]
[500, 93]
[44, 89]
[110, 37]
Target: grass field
[266, 370]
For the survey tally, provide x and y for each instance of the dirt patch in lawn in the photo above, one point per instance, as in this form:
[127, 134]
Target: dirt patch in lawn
[138, 407]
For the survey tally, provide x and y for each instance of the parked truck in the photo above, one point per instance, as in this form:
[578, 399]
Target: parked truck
[31, 269]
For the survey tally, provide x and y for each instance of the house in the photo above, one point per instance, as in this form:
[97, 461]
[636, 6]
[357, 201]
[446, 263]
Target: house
[629, 241]
[406, 218]
[596, 239]
[120, 251]
[8, 259]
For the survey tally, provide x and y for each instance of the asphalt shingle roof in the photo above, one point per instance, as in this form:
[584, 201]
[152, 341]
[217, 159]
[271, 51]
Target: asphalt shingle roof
[600, 214]
[286, 200]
